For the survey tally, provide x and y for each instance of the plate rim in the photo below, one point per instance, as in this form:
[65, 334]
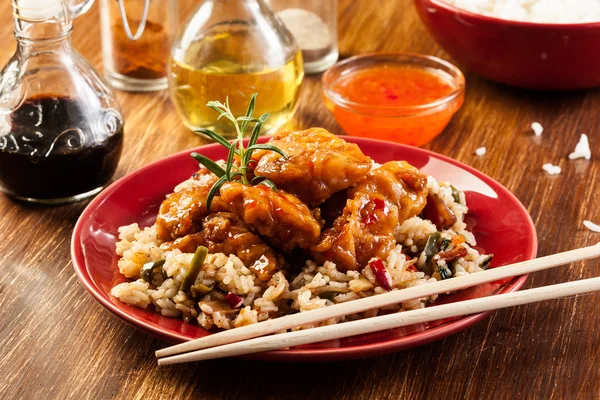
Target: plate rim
[301, 355]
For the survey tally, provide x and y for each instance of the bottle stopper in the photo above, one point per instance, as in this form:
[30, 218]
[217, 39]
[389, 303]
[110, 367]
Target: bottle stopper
[39, 9]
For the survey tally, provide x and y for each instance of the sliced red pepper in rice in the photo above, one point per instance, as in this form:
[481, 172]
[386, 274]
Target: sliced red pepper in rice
[234, 300]
[381, 274]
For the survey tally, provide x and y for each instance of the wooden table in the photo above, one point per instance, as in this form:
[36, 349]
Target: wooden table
[57, 342]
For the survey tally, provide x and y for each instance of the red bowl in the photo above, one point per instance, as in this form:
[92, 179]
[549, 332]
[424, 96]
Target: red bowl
[498, 220]
[524, 54]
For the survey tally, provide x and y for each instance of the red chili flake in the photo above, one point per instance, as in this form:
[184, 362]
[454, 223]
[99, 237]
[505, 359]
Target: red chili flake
[381, 274]
[252, 164]
[379, 204]
[389, 93]
[234, 300]
[250, 204]
[412, 268]
[370, 219]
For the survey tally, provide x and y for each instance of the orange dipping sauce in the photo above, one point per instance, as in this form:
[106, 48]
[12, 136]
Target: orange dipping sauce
[400, 102]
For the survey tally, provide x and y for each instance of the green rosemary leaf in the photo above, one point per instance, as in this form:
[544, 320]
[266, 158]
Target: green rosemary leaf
[230, 160]
[268, 183]
[266, 146]
[215, 105]
[256, 131]
[228, 116]
[249, 113]
[236, 147]
[210, 164]
[257, 179]
[235, 174]
[248, 119]
[214, 136]
[213, 191]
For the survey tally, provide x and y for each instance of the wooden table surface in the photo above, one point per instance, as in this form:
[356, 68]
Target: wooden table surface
[57, 342]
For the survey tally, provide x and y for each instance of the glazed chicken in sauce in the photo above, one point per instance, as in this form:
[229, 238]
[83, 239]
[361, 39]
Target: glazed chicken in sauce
[384, 199]
[222, 232]
[318, 164]
[280, 217]
[321, 173]
[183, 211]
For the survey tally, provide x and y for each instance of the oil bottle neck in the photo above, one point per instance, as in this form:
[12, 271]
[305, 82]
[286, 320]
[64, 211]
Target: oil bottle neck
[41, 21]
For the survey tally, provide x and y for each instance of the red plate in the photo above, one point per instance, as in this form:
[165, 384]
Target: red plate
[499, 221]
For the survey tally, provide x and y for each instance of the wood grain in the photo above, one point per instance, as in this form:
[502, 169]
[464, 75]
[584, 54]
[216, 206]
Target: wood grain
[57, 342]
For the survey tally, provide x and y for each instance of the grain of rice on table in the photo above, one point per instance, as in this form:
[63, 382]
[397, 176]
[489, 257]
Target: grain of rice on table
[315, 286]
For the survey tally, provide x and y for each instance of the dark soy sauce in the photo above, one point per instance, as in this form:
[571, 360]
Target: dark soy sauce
[57, 148]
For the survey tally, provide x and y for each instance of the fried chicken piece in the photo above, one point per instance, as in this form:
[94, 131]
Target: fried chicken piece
[387, 197]
[318, 164]
[181, 213]
[223, 233]
[284, 220]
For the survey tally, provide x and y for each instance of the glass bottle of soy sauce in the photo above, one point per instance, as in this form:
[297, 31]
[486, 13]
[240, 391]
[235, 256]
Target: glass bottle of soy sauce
[61, 130]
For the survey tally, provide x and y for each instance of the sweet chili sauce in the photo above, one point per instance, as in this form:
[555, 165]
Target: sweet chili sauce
[391, 103]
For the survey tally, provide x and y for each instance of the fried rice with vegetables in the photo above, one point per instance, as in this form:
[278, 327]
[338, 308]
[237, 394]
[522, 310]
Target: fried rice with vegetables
[224, 293]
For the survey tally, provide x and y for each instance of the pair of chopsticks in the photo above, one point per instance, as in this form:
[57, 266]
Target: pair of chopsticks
[252, 338]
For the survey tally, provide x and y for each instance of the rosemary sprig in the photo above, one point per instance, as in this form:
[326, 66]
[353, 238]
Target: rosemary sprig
[236, 148]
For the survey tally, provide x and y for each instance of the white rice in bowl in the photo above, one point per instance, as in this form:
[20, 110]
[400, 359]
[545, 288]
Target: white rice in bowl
[539, 11]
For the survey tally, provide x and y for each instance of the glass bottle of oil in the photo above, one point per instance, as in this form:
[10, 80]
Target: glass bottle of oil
[232, 49]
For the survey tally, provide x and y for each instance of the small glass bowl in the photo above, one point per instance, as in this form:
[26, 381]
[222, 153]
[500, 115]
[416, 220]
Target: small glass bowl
[415, 124]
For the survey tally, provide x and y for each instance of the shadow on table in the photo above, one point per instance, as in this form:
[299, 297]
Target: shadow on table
[244, 379]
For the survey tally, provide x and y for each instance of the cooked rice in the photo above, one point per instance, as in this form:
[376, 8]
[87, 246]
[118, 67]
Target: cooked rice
[315, 286]
[537, 128]
[540, 11]
[552, 169]
[582, 149]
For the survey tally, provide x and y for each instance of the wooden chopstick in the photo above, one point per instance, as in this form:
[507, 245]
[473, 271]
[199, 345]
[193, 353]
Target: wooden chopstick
[389, 321]
[381, 300]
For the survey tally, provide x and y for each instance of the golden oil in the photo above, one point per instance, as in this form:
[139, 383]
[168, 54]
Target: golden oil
[224, 66]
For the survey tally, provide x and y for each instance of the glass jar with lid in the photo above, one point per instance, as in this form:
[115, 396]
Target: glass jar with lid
[61, 130]
[314, 26]
[232, 49]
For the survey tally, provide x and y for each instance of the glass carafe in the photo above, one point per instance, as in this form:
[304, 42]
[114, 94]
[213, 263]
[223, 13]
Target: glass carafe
[232, 49]
[61, 130]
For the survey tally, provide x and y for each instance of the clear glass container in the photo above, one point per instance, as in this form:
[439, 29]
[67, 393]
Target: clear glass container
[232, 49]
[314, 25]
[136, 42]
[61, 130]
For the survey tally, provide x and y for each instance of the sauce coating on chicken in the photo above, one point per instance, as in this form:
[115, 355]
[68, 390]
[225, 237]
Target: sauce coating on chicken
[284, 220]
[223, 233]
[363, 206]
[376, 206]
[318, 164]
[181, 213]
